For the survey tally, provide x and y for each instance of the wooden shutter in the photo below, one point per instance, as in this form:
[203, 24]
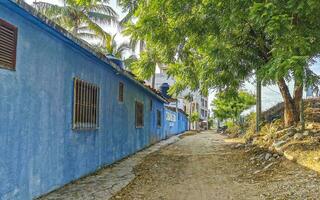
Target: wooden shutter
[8, 45]
[158, 118]
[139, 115]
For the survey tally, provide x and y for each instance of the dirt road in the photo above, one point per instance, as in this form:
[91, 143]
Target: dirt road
[203, 166]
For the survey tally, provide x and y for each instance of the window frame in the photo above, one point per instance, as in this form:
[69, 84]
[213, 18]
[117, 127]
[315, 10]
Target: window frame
[151, 105]
[137, 104]
[90, 93]
[121, 91]
[159, 118]
[15, 43]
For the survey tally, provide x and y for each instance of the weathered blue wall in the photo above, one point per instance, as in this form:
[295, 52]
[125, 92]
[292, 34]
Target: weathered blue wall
[39, 151]
[182, 122]
[176, 126]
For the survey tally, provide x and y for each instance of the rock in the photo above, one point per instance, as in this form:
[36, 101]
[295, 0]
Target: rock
[267, 156]
[238, 146]
[291, 131]
[306, 133]
[298, 136]
[275, 155]
[278, 144]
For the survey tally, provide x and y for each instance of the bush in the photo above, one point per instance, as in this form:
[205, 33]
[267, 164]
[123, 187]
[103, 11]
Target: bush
[250, 126]
[233, 129]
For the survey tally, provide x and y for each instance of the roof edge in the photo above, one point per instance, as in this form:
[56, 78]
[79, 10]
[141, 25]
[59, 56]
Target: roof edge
[81, 43]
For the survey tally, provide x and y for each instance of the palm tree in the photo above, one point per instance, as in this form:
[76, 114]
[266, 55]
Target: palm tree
[111, 47]
[81, 19]
[128, 6]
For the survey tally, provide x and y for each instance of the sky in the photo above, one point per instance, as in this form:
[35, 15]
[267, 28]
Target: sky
[270, 94]
[110, 29]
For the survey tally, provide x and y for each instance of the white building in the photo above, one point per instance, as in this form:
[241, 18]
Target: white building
[188, 101]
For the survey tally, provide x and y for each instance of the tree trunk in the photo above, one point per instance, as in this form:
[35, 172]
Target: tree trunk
[291, 116]
[298, 92]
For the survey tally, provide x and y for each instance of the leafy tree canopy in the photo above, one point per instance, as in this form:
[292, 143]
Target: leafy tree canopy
[228, 106]
[219, 44]
[194, 117]
[209, 42]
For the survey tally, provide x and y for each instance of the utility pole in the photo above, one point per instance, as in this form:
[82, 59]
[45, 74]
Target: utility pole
[302, 121]
[258, 103]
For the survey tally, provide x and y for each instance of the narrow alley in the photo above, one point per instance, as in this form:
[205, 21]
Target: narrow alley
[198, 166]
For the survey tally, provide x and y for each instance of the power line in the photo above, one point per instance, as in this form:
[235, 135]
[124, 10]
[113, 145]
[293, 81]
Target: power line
[273, 90]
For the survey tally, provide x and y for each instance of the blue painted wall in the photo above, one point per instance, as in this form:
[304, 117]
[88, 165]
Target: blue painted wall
[39, 151]
[176, 126]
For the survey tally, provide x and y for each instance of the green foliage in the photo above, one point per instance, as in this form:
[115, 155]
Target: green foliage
[230, 106]
[233, 128]
[194, 117]
[111, 47]
[148, 59]
[211, 123]
[81, 17]
[220, 44]
[128, 6]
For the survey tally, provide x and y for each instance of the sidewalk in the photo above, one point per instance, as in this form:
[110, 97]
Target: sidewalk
[108, 181]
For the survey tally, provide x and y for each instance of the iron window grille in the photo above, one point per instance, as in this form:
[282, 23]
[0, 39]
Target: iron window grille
[8, 45]
[121, 92]
[139, 114]
[85, 105]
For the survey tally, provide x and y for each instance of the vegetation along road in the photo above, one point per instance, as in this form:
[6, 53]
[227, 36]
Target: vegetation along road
[204, 166]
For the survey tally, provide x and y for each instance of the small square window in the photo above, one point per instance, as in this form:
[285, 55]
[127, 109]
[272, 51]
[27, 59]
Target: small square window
[8, 45]
[139, 115]
[121, 92]
[158, 118]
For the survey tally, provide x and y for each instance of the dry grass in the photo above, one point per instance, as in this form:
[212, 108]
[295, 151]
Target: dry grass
[305, 152]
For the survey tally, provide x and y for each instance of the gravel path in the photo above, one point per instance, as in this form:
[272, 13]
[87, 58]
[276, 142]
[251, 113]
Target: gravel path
[203, 166]
[196, 167]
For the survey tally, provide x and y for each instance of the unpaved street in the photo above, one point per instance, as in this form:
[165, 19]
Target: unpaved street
[202, 166]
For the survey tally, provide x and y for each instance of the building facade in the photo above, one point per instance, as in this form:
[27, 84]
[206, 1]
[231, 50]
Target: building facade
[66, 110]
[188, 101]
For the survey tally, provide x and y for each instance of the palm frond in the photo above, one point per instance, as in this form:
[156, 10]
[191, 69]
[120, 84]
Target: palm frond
[126, 18]
[96, 28]
[48, 9]
[102, 18]
[103, 9]
[123, 47]
[87, 35]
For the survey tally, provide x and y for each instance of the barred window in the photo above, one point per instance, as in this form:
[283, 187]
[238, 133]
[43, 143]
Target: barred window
[85, 105]
[8, 45]
[151, 104]
[121, 91]
[139, 115]
[158, 118]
